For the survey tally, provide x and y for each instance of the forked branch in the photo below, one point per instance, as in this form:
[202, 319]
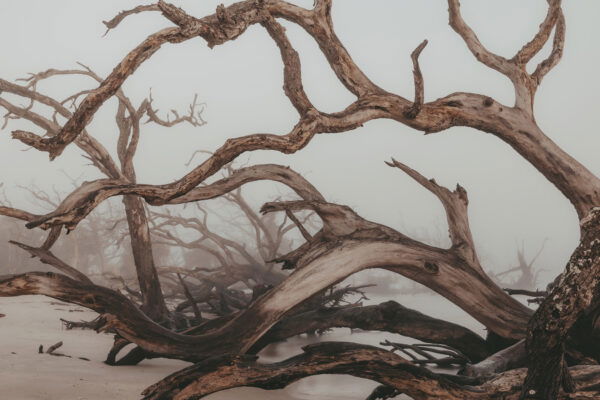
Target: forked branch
[455, 204]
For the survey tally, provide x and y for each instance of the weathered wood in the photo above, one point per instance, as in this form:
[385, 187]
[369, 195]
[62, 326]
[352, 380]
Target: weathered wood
[388, 317]
[153, 302]
[516, 126]
[129, 131]
[46, 257]
[190, 298]
[54, 347]
[369, 362]
[565, 304]
[220, 373]
[347, 243]
[509, 358]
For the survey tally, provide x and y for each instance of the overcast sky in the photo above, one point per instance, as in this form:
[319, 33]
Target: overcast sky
[241, 83]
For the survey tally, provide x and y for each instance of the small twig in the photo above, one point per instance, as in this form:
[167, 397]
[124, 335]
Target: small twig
[427, 351]
[114, 22]
[190, 298]
[299, 225]
[531, 293]
[53, 347]
[414, 110]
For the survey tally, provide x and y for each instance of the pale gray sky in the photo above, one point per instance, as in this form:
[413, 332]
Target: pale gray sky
[241, 83]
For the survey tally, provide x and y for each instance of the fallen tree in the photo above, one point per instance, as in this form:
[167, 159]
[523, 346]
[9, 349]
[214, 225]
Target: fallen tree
[347, 243]
[368, 362]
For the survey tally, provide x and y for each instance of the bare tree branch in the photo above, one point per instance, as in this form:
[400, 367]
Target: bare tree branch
[455, 203]
[529, 50]
[419, 86]
[115, 21]
[82, 116]
[557, 51]
[362, 361]
[83, 200]
[389, 317]
[291, 63]
[482, 54]
[46, 257]
[307, 236]
[190, 298]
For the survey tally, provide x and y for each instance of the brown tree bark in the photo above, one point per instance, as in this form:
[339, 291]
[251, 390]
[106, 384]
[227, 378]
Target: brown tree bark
[388, 317]
[128, 123]
[565, 304]
[223, 372]
[153, 302]
[348, 243]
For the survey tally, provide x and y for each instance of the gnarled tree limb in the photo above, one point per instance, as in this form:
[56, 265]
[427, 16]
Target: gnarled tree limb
[362, 361]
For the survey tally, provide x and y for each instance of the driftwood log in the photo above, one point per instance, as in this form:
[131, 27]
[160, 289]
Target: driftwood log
[347, 243]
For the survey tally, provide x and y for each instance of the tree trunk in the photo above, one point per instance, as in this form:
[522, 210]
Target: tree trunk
[552, 322]
[153, 302]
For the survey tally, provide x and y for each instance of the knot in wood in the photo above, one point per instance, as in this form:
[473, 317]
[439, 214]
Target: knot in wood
[431, 267]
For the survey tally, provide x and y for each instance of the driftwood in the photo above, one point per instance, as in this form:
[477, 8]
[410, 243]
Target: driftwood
[52, 351]
[368, 362]
[388, 317]
[347, 243]
[96, 324]
[54, 347]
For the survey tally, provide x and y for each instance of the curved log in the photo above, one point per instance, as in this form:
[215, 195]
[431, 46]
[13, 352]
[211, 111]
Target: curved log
[348, 244]
[220, 373]
[339, 260]
[389, 317]
[369, 362]
[515, 125]
[123, 317]
[510, 358]
[386, 317]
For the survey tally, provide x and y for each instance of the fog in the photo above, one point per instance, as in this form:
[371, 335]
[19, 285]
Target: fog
[511, 205]
[240, 82]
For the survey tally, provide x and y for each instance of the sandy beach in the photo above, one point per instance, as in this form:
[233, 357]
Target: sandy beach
[25, 374]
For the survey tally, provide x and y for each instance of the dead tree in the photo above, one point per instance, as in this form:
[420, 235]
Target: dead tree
[86, 247]
[218, 261]
[128, 120]
[348, 243]
[528, 275]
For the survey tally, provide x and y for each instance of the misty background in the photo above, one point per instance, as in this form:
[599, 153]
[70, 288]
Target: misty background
[241, 84]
